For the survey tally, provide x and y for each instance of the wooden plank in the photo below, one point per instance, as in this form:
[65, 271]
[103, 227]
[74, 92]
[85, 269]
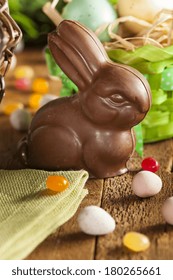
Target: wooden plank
[135, 214]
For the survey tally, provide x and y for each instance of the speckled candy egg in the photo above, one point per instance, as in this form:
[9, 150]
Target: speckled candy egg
[167, 210]
[91, 13]
[94, 220]
[146, 184]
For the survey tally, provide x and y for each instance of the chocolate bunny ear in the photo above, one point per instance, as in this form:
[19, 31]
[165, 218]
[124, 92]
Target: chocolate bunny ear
[80, 56]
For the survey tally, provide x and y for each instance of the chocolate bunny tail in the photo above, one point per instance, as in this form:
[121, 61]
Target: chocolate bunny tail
[70, 55]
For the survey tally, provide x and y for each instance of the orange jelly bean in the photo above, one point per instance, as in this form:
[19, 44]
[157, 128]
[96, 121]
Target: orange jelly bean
[11, 107]
[34, 100]
[136, 241]
[40, 85]
[57, 183]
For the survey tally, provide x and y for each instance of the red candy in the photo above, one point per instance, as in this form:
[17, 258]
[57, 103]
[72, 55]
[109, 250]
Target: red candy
[150, 164]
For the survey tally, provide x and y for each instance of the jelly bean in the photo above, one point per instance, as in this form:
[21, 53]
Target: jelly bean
[23, 71]
[95, 220]
[57, 183]
[47, 98]
[34, 100]
[136, 241]
[11, 107]
[167, 210]
[40, 85]
[23, 84]
[150, 164]
[20, 119]
[146, 184]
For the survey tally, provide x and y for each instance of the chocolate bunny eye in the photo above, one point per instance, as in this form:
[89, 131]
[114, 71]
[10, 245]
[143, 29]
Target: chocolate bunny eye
[116, 100]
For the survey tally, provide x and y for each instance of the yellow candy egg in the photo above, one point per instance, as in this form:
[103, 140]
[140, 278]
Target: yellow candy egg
[136, 241]
[23, 71]
[11, 107]
[57, 183]
[40, 85]
[34, 100]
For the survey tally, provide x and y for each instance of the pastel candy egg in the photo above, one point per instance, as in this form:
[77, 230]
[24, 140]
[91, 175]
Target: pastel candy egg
[146, 184]
[136, 241]
[23, 84]
[94, 220]
[167, 210]
[92, 14]
[47, 98]
[23, 71]
[20, 119]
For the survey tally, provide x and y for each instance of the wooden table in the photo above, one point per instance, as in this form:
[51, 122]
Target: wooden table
[114, 195]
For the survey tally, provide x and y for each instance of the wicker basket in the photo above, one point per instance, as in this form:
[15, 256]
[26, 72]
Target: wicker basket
[10, 35]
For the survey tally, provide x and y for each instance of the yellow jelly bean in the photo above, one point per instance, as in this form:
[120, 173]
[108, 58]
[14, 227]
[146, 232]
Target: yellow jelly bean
[136, 241]
[57, 183]
[40, 85]
[23, 71]
[11, 107]
[34, 100]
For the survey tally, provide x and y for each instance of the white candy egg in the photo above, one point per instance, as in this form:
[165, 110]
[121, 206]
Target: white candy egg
[167, 210]
[146, 184]
[142, 9]
[20, 119]
[94, 220]
[47, 98]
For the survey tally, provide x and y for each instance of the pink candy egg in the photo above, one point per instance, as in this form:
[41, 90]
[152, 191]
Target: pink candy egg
[23, 84]
[167, 210]
[146, 184]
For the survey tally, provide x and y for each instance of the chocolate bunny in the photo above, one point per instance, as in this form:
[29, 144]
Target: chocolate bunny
[91, 130]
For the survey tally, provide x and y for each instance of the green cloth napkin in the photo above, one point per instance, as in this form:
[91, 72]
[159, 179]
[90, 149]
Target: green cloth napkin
[29, 212]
